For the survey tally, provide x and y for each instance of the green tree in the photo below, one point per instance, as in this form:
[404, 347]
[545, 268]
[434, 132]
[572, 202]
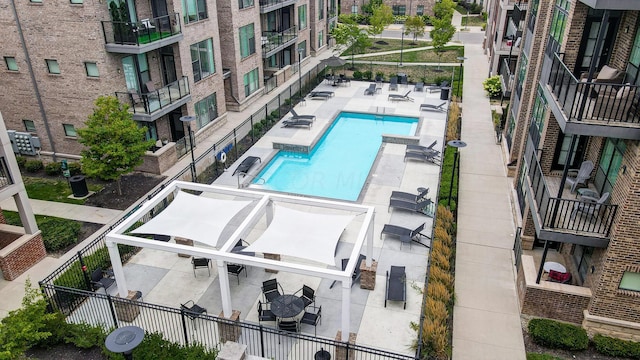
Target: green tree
[382, 16]
[350, 35]
[442, 31]
[414, 25]
[114, 143]
[369, 8]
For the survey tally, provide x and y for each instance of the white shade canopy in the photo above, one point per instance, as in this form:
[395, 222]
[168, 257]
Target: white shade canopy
[198, 218]
[302, 234]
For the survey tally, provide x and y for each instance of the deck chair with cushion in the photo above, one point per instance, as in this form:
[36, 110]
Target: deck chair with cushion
[102, 279]
[421, 148]
[396, 97]
[271, 289]
[424, 207]
[356, 272]
[246, 164]
[419, 87]
[406, 235]
[396, 285]
[393, 83]
[580, 176]
[435, 108]
[319, 95]
[371, 90]
[401, 195]
[298, 116]
[297, 122]
[429, 157]
[193, 311]
[589, 206]
[199, 263]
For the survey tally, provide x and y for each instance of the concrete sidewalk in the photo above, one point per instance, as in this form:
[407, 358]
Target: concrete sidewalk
[486, 315]
[67, 211]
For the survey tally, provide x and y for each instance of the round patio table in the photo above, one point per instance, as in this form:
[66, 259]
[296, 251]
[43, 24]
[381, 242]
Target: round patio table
[551, 265]
[287, 306]
[124, 340]
[322, 354]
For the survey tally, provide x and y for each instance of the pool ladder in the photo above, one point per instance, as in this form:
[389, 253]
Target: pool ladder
[261, 181]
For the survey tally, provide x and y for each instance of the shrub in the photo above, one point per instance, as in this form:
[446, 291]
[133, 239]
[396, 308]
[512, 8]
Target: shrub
[441, 234]
[33, 166]
[58, 233]
[75, 168]
[380, 74]
[436, 274]
[21, 160]
[53, 169]
[154, 346]
[367, 75]
[438, 291]
[357, 75]
[439, 260]
[85, 336]
[557, 335]
[534, 356]
[492, 86]
[439, 247]
[616, 347]
[434, 336]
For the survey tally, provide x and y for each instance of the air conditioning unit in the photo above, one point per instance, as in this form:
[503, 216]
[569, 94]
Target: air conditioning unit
[23, 143]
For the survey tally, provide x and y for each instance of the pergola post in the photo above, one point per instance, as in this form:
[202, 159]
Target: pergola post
[225, 291]
[346, 305]
[118, 272]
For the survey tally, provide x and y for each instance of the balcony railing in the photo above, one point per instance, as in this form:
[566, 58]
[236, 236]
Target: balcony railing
[5, 175]
[272, 40]
[559, 214]
[149, 103]
[143, 32]
[270, 5]
[507, 73]
[593, 101]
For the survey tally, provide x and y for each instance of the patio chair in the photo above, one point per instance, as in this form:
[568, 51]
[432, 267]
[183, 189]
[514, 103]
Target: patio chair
[396, 97]
[298, 116]
[296, 122]
[581, 176]
[246, 164]
[401, 195]
[308, 295]
[419, 87]
[271, 289]
[265, 314]
[312, 318]
[236, 269]
[396, 285]
[289, 325]
[198, 263]
[424, 207]
[435, 108]
[420, 148]
[371, 90]
[356, 272]
[102, 279]
[589, 206]
[193, 311]
[146, 23]
[406, 235]
[319, 95]
[393, 83]
[430, 157]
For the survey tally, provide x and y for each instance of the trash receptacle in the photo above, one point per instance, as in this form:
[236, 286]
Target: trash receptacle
[78, 186]
[444, 93]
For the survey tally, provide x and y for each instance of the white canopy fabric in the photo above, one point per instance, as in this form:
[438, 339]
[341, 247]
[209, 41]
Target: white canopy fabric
[301, 234]
[198, 218]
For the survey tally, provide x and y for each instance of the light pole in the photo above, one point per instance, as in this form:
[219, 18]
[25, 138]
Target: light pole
[454, 144]
[401, 45]
[300, 51]
[461, 59]
[188, 120]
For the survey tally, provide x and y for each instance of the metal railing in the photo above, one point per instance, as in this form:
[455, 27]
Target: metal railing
[273, 40]
[270, 5]
[148, 103]
[593, 101]
[507, 73]
[141, 32]
[5, 174]
[270, 84]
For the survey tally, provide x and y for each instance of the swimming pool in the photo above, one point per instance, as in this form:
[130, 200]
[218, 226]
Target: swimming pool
[339, 164]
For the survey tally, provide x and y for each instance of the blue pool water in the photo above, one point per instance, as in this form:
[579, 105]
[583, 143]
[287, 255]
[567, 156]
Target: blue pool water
[339, 164]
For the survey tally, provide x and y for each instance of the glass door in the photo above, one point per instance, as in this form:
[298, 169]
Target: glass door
[562, 152]
[130, 71]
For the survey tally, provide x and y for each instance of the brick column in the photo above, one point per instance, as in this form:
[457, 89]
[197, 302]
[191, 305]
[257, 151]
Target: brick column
[229, 331]
[271, 257]
[341, 350]
[183, 241]
[127, 311]
[368, 275]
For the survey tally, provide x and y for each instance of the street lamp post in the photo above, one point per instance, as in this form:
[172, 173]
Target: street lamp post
[401, 45]
[188, 120]
[300, 51]
[454, 144]
[461, 59]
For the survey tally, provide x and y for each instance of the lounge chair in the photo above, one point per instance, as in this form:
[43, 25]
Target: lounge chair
[246, 164]
[295, 122]
[396, 97]
[425, 207]
[393, 83]
[401, 195]
[589, 206]
[419, 87]
[406, 235]
[431, 107]
[396, 285]
[298, 116]
[323, 93]
[430, 157]
[420, 148]
[581, 176]
[371, 90]
[433, 88]
[319, 95]
[356, 272]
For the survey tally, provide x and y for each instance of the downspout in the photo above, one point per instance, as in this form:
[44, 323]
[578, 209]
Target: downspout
[33, 80]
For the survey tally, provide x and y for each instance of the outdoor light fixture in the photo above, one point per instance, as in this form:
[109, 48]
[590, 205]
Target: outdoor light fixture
[454, 144]
[188, 120]
[300, 51]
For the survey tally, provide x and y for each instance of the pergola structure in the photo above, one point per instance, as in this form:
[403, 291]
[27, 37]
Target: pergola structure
[293, 233]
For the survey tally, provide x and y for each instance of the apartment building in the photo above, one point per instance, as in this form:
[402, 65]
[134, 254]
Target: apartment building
[164, 58]
[399, 8]
[575, 106]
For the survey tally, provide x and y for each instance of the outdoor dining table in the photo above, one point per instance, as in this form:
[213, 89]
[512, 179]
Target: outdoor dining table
[551, 265]
[287, 306]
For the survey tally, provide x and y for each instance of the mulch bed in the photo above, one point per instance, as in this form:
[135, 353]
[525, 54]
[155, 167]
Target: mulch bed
[66, 352]
[134, 186]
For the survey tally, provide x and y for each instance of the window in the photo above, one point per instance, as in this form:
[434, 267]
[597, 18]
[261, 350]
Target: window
[194, 10]
[206, 110]
[399, 10]
[522, 71]
[52, 66]
[321, 9]
[247, 41]
[202, 59]
[11, 63]
[320, 38]
[251, 83]
[609, 164]
[302, 17]
[302, 50]
[630, 281]
[634, 61]
[36, 1]
[537, 116]
[69, 130]
[354, 9]
[76, 1]
[420, 10]
[558, 25]
[29, 125]
[242, 4]
[92, 69]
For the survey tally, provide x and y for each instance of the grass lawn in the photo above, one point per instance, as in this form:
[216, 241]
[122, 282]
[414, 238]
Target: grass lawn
[426, 74]
[145, 38]
[392, 44]
[473, 20]
[445, 181]
[448, 56]
[53, 190]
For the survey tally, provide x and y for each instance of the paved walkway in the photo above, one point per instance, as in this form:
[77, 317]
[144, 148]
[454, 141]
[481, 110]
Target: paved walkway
[67, 211]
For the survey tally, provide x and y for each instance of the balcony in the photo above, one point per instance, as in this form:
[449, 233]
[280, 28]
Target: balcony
[5, 174]
[555, 219]
[153, 105]
[612, 4]
[272, 42]
[507, 75]
[271, 5]
[591, 108]
[142, 36]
